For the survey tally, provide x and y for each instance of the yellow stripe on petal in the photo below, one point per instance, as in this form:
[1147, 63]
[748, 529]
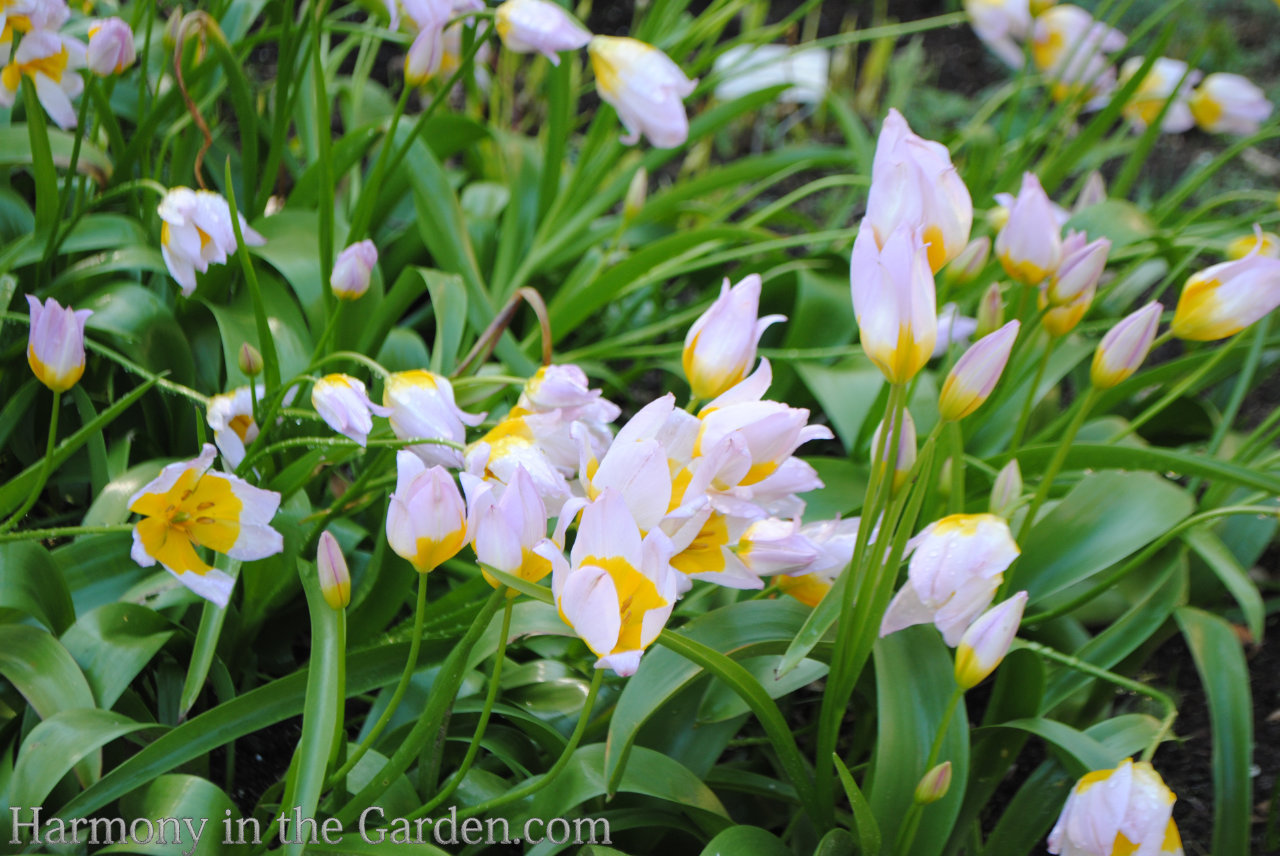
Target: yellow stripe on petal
[433, 552]
[809, 589]
[704, 554]
[636, 596]
[170, 546]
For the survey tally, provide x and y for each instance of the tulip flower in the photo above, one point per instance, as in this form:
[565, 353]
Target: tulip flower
[1222, 300]
[111, 48]
[427, 519]
[956, 567]
[894, 301]
[1267, 244]
[1167, 79]
[506, 530]
[230, 415]
[565, 390]
[1058, 321]
[747, 68]
[976, 373]
[1093, 193]
[1125, 810]
[618, 589]
[990, 310]
[188, 506]
[773, 546]
[1070, 47]
[197, 232]
[906, 449]
[55, 345]
[1125, 346]
[50, 61]
[986, 641]
[1006, 493]
[426, 52]
[526, 26]
[331, 565]
[1030, 244]
[540, 443]
[835, 541]
[344, 405]
[1001, 25]
[720, 347]
[914, 185]
[422, 406]
[1080, 270]
[1229, 104]
[645, 87]
[249, 360]
[966, 266]
[353, 269]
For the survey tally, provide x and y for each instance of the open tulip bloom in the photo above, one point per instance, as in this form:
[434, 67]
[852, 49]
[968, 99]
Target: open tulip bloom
[720, 348]
[645, 87]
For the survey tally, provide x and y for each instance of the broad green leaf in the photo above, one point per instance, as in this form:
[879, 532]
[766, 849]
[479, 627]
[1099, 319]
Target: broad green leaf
[1085, 752]
[237, 324]
[1225, 678]
[745, 839]
[1105, 518]
[721, 703]
[60, 742]
[93, 233]
[847, 392]
[42, 670]
[111, 505]
[113, 644]
[1102, 457]
[187, 801]
[31, 583]
[98, 570]
[864, 819]
[1116, 219]
[1209, 547]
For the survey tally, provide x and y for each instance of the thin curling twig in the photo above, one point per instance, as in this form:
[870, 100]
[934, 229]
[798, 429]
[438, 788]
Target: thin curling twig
[200, 20]
[489, 338]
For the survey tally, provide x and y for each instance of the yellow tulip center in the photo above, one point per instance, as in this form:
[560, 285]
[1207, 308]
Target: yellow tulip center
[704, 554]
[199, 510]
[636, 596]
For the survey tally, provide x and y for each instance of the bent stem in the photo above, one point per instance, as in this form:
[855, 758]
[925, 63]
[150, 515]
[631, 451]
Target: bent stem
[45, 468]
[907, 832]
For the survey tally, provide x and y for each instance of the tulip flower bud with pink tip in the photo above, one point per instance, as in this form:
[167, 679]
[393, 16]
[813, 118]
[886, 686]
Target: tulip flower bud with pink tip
[426, 519]
[1006, 493]
[353, 270]
[976, 373]
[986, 641]
[55, 345]
[1030, 244]
[934, 784]
[1125, 346]
[335, 579]
[1081, 268]
[966, 266]
[720, 348]
[894, 301]
[1222, 300]
[990, 310]
[111, 48]
[526, 26]
[906, 448]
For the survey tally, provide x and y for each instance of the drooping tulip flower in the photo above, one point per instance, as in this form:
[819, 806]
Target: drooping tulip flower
[1222, 300]
[645, 87]
[427, 519]
[986, 641]
[506, 530]
[426, 52]
[335, 578]
[1229, 104]
[55, 344]
[771, 546]
[526, 26]
[976, 373]
[720, 347]
[914, 185]
[422, 406]
[353, 270]
[1080, 269]
[189, 505]
[230, 415]
[1125, 810]
[1002, 25]
[1071, 48]
[197, 232]
[52, 62]
[1167, 79]
[564, 389]
[1125, 346]
[343, 403]
[894, 301]
[111, 48]
[956, 567]
[835, 541]
[1030, 244]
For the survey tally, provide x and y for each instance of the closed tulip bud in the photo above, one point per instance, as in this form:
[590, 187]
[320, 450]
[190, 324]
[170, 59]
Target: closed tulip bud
[906, 449]
[249, 359]
[894, 301]
[990, 310]
[1030, 244]
[1266, 243]
[1058, 321]
[720, 348]
[427, 519]
[1081, 268]
[1222, 300]
[111, 48]
[1125, 346]
[934, 784]
[965, 267]
[526, 26]
[645, 87]
[353, 270]
[1093, 192]
[55, 347]
[1125, 810]
[637, 192]
[976, 373]
[1006, 493]
[344, 405]
[987, 640]
[1167, 79]
[335, 579]
[1229, 104]
[772, 546]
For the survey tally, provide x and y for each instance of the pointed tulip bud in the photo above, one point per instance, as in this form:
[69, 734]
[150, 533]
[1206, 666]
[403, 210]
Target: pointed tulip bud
[965, 267]
[976, 373]
[1081, 268]
[990, 310]
[111, 48]
[249, 359]
[987, 640]
[637, 192]
[335, 579]
[1006, 493]
[1030, 244]
[1058, 321]
[894, 301]
[526, 26]
[426, 520]
[906, 449]
[55, 347]
[1093, 192]
[1125, 346]
[720, 348]
[352, 270]
[1222, 300]
[934, 784]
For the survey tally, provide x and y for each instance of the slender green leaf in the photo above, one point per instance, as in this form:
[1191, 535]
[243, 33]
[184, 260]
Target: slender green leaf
[60, 742]
[1209, 547]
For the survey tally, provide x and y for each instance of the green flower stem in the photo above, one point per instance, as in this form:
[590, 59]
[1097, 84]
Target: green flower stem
[64, 198]
[474, 748]
[1055, 465]
[1177, 391]
[63, 532]
[535, 785]
[907, 832]
[1244, 382]
[339, 742]
[324, 144]
[352, 356]
[266, 342]
[1170, 708]
[482, 380]
[45, 467]
[410, 665]
[956, 504]
[329, 329]
[1029, 402]
[344, 443]
[369, 195]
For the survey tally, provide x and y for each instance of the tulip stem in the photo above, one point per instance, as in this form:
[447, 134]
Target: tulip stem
[410, 666]
[1055, 465]
[956, 504]
[1177, 391]
[45, 467]
[62, 532]
[474, 748]
[907, 831]
[55, 235]
[371, 364]
[1028, 404]
[329, 329]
